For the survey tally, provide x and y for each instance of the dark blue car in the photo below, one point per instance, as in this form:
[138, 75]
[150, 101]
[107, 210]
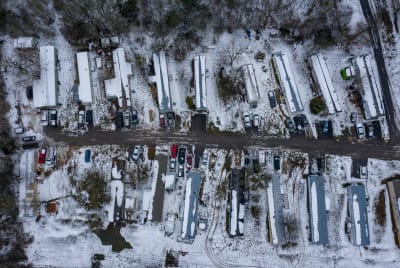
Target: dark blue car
[87, 156]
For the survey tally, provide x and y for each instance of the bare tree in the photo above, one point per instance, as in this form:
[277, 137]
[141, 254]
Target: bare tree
[233, 51]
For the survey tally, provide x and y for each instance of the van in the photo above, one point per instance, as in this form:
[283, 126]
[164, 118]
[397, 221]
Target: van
[120, 118]
[277, 162]
[53, 118]
[28, 138]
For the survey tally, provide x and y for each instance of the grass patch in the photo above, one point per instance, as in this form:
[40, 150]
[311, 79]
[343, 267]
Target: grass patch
[151, 153]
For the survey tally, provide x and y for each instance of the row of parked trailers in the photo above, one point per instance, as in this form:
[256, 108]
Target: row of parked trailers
[365, 71]
[161, 81]
[356, 225]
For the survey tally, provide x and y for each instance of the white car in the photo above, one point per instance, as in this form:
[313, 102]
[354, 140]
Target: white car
[136, 153]
[256, 121]
[360, 130]
[363, 172]
[172, 163]
[51, 156]
[44, 118]
[204, 161]
[247, 120]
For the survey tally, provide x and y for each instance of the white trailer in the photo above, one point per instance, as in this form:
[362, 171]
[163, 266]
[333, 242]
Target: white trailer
[324, 81]
[371, 91]
[85, 85]
[44, 89]
[286, 79]
[250, 84]
[200, 82]
[162, 82]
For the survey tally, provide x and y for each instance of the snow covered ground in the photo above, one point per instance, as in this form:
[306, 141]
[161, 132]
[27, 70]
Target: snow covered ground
[66, 240]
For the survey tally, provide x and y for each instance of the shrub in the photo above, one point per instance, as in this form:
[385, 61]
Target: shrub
[94, 185]
[317, 105]
[190, 104]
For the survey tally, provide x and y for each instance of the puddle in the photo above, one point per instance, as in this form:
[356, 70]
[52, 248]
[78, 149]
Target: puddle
[112, 236]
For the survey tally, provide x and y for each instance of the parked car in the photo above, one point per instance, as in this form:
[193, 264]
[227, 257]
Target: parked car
[171, 120]
[181, 171]
[353, 117]
[89, 117]
[204, 161]
[172, 163]
[272, 99]
[28, 138]
[181, 155]
[81, 117]
[44, 118]
[277, 162]
[298, 124]
[135, 119]
[174, 150]
[29, 92]
[136, 152]
[53, 118]
[363, 172]
[360, 130]
[127, 119]
[19, 130]
[246, 158]
[325, 126]
[290, 125]
[162, 121]
[51, 156]
[304, 120]
[120, 118]
[87, 155]
[189, 160]
[42, 156]
[256, 121]
[370, 130]
[247, 120]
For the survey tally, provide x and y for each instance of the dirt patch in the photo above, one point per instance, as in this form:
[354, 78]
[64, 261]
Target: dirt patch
[380, 209]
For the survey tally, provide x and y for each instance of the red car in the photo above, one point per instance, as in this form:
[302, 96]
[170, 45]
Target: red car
[189, 162]
[42, 156]
[174, 150]
[162, 121]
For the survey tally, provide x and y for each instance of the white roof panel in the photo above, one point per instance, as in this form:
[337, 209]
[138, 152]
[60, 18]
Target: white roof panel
[324, 81]
[122, 71]
[287, 82]
[44, 89]
[85, 85]
[200, 82]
